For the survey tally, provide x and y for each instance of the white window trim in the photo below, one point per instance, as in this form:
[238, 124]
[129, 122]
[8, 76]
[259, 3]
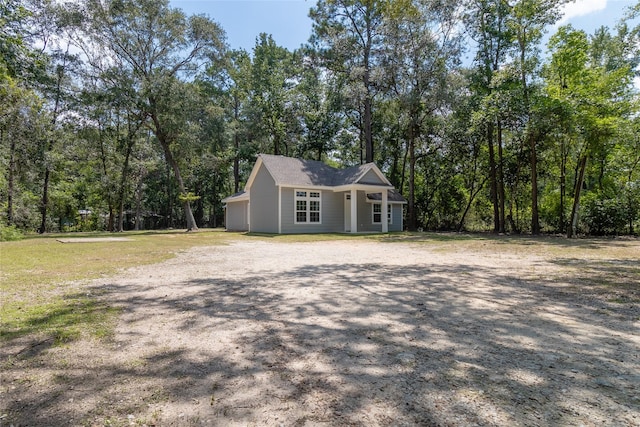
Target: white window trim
[308, 199]
[389, 213]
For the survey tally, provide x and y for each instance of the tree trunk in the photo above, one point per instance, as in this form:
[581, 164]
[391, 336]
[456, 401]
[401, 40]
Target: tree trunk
[368, 130]
[44, 203]
[191, 222]
[123, 181]
[138, 205]
[236, 173]
[368, 97]
[236, 144]
[404, 168]
[132, 130]
[411, 208]
[493, 180]
[573, 228]
[472, 197]
[563, 186]
[535, 219]
[500, 179]
[11, 177]
[110, 202]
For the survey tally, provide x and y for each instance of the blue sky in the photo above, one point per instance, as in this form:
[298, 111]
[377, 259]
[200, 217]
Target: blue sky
[288, 22]
[243, 20]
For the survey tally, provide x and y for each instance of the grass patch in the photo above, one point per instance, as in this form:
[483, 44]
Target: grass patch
[64, 319]
[36, 275]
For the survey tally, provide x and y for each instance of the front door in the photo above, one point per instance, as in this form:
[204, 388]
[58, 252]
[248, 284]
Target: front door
[347, 213]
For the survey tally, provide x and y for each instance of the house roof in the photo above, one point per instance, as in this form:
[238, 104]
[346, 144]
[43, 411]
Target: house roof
[394, 196]
[292, 171]
[240, 195]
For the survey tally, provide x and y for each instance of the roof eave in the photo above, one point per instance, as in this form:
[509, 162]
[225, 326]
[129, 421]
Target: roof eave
[241, 198]
[306, 186]
[363, 187]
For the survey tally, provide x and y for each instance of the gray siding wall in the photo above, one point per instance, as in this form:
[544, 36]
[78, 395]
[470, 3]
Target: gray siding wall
[264, 203]
[236, 216]
[371, 178]
[396, 214]
[365, 216]
[331, 213]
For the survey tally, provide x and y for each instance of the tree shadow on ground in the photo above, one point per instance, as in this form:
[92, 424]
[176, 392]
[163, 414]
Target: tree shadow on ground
[516, 239]
[349, 344]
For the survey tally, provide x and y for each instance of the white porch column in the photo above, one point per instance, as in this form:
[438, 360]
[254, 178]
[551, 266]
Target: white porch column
[354, 210]
[384, 219]
[279, 210]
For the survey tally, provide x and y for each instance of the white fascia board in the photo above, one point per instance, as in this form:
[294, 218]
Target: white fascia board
[389, 202]
[363, 187]
[231, 199]
[306, 187]
[372, 166]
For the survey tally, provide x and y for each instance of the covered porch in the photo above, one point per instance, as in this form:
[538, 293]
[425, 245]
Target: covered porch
[361, 197]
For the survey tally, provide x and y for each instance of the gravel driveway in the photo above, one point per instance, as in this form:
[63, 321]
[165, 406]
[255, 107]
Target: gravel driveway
[348, 332]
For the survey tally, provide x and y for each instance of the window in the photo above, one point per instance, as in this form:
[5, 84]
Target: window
[307, 205]
[377, 213]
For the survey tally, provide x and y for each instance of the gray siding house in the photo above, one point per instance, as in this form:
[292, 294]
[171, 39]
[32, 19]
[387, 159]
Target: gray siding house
[285, 195]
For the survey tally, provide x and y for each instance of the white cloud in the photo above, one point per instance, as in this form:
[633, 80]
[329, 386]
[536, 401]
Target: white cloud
[581, 8]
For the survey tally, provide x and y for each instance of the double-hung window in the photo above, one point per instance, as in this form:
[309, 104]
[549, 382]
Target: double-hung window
[377, 213]
[307, 207]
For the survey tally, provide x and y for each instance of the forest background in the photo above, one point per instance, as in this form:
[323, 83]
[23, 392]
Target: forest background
[122, 114]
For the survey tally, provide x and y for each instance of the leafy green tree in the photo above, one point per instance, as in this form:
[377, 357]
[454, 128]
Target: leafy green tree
[22, 124]
[227, 83]
[350, 36]
[422, 47]
[528, 20]
[273, 71]
[317, 107]
[161, 48]
[487, 24]
[595, 85]
[564, 75]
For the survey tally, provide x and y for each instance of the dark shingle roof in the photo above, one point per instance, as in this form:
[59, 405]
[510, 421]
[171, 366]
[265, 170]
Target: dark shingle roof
[393, 196]
[292, 171]
[238, 195]
[287, 170]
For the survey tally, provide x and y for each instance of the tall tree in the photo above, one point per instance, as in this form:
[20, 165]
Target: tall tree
[564, 75]
[422, 47]
[487, 24]
[161, 48]
[528, 21]
[317, 109]
[351, 35]
[272, 81]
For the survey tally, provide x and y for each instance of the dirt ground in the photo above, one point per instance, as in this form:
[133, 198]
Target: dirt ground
[349, 333]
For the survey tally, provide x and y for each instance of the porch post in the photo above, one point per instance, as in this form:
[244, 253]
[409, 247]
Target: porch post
[384, 219]
[279, 210]
[354, 210]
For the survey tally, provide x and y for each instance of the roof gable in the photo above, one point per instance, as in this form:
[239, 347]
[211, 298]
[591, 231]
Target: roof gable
[289, 171]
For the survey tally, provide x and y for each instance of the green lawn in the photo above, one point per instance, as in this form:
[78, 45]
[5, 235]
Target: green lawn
[37, 291]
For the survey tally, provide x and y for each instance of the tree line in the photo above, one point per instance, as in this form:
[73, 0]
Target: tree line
[121, 114]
